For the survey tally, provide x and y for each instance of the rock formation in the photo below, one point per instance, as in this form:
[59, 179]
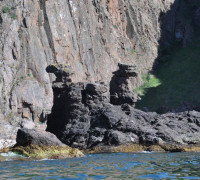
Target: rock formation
[83, 117]
[122, 85]
[88, 37]
[42, 145]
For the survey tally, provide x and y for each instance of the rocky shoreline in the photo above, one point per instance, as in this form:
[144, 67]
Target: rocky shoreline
[99, 118]
[90, 39]
[37, 144]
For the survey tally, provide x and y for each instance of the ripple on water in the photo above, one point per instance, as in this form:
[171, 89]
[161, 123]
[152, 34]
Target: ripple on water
[108, 166]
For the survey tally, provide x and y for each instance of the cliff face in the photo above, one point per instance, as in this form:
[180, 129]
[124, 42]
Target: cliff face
[90, 37]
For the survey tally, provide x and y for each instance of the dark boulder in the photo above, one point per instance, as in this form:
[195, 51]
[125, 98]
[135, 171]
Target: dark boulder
[27, 137]
[40, 144]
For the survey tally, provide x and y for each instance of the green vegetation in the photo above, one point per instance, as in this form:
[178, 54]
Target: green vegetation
[22, 77]
[179, 73]
[13, 15]
[9, 10]
[6, 9]
[20, 33]
[149, 81]
[115, 26]
[29, 74]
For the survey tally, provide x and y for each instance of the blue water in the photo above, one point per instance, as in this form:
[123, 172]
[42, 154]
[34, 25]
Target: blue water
[107, 166]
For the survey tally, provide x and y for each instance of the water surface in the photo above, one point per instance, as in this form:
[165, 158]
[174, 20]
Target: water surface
[107, 166]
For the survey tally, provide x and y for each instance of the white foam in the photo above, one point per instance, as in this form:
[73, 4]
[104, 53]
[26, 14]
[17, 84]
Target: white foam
[10, 154]
[147, 152]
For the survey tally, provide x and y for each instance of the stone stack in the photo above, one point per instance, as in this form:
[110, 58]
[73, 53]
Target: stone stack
[83, 117]
[121, 85]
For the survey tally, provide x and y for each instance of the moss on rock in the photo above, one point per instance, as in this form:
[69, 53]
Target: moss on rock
[37, 144]
[128, 148]
[181, 148]
[47, 152]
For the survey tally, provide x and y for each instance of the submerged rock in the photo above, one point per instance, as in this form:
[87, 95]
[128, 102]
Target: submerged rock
[42, 145]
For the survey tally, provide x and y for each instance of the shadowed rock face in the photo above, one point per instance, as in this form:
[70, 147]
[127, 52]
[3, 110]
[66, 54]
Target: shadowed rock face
[83, 117]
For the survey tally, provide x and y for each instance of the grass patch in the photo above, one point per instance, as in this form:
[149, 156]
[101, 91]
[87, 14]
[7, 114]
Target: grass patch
[9, 10]
[6, 9]
[180, 79]
[149, 81]
[13, 15]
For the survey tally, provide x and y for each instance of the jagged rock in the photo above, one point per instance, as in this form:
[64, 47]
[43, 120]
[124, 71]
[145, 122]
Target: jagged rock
[122, 85]
[27, 124]
[40, 144]
[6, 143]
[83, 117]
[35, 34]
[126, 70]
[61, 72]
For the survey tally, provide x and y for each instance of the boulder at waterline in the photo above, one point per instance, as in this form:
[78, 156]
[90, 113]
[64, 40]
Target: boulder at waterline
[41, 144]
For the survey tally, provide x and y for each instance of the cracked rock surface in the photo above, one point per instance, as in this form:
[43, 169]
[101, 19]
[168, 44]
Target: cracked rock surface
[83, 117]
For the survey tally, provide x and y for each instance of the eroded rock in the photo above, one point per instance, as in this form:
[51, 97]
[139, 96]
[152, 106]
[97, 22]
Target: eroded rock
[90, 37]
[40, 144]
[122, 85]
[83, 117]
[35, 34]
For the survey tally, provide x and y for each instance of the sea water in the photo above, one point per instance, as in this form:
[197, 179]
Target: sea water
[107, 166]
